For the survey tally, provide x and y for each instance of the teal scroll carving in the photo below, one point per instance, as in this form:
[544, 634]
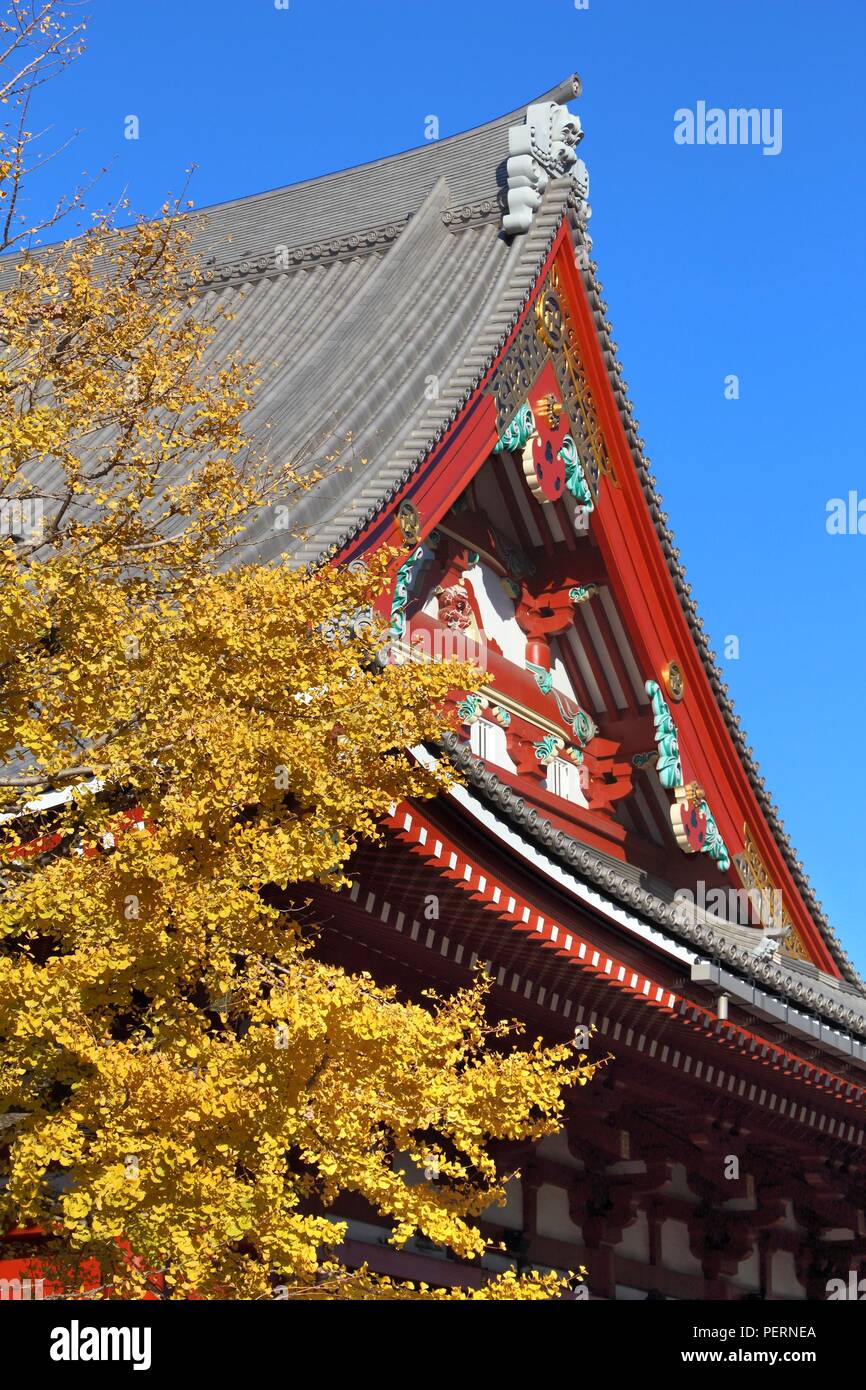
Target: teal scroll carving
[402, 590]
[575, 478]
[517, 433]
[714, 845]
[543, 677]
[669, 766]
[548, 748]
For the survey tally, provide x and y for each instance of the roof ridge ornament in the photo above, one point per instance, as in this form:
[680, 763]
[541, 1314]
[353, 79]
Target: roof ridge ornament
[540, 149]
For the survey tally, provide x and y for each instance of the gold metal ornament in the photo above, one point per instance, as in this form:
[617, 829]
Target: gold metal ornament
[756, 877]
[550, 409]
[409, 521]
[675, 681]
[548, 318]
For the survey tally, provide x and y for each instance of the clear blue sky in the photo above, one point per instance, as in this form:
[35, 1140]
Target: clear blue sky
[715, 261]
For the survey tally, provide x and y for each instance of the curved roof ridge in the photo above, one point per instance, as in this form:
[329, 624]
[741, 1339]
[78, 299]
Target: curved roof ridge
[381, 193]
[569, 88]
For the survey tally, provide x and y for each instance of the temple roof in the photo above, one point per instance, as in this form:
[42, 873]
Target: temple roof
[373, 300]
[400, 273]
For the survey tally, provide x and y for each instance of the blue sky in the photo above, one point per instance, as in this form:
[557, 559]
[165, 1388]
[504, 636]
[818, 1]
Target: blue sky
[716, 260]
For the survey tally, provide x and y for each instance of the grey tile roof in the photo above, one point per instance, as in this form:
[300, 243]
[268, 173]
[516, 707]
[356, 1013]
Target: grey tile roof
[840, 1003]
[382, 193]
[353, 291]
[358, 345]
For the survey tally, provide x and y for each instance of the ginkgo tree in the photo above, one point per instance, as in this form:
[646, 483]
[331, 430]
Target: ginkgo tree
[186, 1087]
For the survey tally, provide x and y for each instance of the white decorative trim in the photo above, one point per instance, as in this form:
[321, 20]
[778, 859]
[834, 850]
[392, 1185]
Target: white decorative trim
[522, 849]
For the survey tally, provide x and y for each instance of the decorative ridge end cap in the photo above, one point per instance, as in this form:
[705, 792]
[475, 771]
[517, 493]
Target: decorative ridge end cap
[542, 148]
[570, 87]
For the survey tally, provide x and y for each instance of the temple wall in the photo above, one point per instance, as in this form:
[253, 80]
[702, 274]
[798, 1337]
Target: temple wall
[552, 1215]
[676, 1254]
[785, 1283]
[635, 1239]
[511, 1215]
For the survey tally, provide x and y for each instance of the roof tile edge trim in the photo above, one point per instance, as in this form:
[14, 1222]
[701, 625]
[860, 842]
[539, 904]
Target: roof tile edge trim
[589, 268]
[577, 857]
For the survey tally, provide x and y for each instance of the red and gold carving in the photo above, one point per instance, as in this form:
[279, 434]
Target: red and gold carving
[544, 469]
[689, 821]
[455, 608]
[754, 874]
